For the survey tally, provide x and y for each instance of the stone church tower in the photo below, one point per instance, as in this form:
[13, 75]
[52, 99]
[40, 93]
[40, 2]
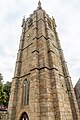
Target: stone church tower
[41, 87]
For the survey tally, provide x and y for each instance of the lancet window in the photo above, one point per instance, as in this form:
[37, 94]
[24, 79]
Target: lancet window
[26, 85]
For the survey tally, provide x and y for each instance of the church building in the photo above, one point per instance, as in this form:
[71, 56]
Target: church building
[41, 87]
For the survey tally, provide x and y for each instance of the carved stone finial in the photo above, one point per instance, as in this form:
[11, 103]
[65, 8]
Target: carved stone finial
[24, 18]
[39, 4]
[23, 21]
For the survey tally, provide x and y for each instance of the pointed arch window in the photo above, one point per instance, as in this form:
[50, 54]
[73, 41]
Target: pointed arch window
[24, 116]
[26, 85]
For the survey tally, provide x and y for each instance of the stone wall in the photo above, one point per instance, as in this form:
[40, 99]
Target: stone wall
[3, 115]
[77, 92]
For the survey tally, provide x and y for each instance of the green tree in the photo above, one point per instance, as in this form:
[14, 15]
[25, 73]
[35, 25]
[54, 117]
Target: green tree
[1, 77]
[2, 94]
[2, 98]
[4, 91]
[1, 87]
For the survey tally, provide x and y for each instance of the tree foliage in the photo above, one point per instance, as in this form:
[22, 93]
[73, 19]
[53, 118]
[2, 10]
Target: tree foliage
[4, 92]
[6, 89]
[1, 77]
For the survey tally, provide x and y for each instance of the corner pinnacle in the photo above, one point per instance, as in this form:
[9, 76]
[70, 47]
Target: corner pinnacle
[39, 4]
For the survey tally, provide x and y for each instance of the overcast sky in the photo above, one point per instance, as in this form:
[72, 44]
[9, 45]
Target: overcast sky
[67, 16]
